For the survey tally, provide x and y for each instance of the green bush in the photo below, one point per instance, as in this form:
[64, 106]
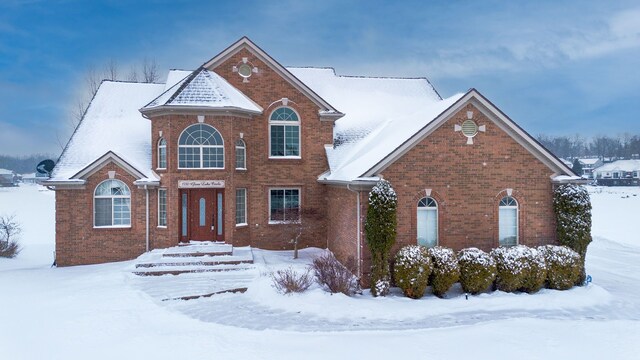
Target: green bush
[446, 271]
[572, 207]
[511, 267]
[411, 270]
[380, 231]
[564, 266]
[519, 268]
[477, 270]
[536, 274]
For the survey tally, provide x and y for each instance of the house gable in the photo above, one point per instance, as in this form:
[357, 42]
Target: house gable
[109, 157]
[326, 110]
[496, 117]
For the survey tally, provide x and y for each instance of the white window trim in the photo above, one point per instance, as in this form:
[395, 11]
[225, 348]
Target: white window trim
[201, 152]
[112, 207]
[246, 214]
[517, 207]
[244, 148]
[276, 222]
[166, 158]
[166, 203]
[426, 208]
[290, 123]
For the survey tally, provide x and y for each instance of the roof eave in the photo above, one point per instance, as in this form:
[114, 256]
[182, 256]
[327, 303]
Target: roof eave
[198, 110]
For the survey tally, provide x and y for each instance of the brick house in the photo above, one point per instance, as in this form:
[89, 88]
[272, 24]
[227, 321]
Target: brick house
[242, 150]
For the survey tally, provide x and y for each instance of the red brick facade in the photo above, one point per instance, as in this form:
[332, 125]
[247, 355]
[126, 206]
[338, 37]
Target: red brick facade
[467, 182]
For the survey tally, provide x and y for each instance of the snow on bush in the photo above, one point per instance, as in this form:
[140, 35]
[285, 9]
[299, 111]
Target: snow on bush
[572, 206]
[380, 230]
[411, 270]
[334, 276]
[519, 268]
[10, 229]
[563, 266]
[477, 270]
[446, 271]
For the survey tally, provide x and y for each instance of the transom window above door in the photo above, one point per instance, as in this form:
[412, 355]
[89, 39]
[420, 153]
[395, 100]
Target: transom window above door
[200, 147]
[284, 133]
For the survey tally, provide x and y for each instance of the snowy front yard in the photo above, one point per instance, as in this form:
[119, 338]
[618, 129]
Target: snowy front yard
[105, 312]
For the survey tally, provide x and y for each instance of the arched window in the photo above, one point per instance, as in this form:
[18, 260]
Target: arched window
[427, 222]
[112, 204]
[241, 155]
[200, 147]
[508, 221]
[284, 133]
[162, 153]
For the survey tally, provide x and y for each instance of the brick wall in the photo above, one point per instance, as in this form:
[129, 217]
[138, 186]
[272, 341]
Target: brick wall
[468, 182]
[78, 242]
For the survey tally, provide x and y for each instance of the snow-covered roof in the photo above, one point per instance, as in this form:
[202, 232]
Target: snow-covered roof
[5, 172]
[112, 123]
[620, 165]
[203, 88]
[380, 115]
[588, 161]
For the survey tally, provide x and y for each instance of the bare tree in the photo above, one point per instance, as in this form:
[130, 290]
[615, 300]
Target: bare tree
[10, 229]
[111, 70]
[150, 71]
[302, 221]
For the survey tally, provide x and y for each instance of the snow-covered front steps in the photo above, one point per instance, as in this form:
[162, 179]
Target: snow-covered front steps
[194, 258]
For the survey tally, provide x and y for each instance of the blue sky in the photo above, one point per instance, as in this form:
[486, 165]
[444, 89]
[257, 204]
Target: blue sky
[556, 67]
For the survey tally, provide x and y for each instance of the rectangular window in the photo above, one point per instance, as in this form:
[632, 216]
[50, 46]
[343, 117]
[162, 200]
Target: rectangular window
[284, 205]
[162, 207]
[241, 206]
[241, 158]
[285, 140]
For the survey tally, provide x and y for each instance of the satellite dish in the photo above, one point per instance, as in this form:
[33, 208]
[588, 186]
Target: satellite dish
[45, 167]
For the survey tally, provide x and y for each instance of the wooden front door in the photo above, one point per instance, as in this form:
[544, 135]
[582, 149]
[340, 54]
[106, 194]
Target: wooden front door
[202, 217]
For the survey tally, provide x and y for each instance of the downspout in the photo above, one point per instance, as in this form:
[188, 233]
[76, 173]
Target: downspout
[146, 190]
[358, 234]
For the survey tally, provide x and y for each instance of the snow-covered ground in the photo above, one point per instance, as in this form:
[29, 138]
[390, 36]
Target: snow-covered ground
[105, 312]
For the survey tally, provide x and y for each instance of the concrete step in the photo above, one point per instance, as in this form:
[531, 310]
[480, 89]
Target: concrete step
[199, 249]
[177, 270]
[197, 263]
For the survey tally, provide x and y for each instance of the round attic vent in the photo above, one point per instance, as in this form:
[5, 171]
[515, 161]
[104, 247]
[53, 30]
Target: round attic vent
[469, 128]
[245, 70]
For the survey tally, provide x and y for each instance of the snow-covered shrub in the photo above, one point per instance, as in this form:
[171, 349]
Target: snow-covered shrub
[289, 281]
[519, 268]
[446, 271]
[334, 276]
[563, 266]
[380, 230]
[411, 270]
[572, 206]
[9, 231]
[477, 270]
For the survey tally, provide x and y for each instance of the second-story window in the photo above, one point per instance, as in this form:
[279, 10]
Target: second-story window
[284, 133]
[241, 155]
[200, 147]
[162, 153]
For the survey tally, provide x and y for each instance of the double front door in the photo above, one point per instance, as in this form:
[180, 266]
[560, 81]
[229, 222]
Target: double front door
[202, 214]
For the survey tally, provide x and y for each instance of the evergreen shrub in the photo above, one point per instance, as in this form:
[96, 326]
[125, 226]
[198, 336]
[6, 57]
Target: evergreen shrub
[411, 270]
[380, 230]
[519, 268]
[572, 206]
[477, 270]
[564, 266]
[446, 271]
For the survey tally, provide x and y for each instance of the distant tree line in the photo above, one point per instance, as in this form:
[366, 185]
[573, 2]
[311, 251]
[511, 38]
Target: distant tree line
[625, 146]
[23, 164]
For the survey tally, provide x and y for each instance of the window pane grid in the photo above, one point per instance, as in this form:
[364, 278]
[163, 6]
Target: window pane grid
[112, 204]
[162, 207]
[508, 222]
[200, 146]
[285, 205]
[241, 154]
[241, 206]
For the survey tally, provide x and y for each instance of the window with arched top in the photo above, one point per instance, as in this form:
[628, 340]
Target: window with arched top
[241, 155]
[284, 133]
[112, 204]
[427, 222]
[162, 153]
[200, 146]
[508, 222]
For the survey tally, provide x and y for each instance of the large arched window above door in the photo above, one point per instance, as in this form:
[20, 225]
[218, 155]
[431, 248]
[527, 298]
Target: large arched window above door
[427, 222]
[284, 133]
[200, 146]
[508, 221]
